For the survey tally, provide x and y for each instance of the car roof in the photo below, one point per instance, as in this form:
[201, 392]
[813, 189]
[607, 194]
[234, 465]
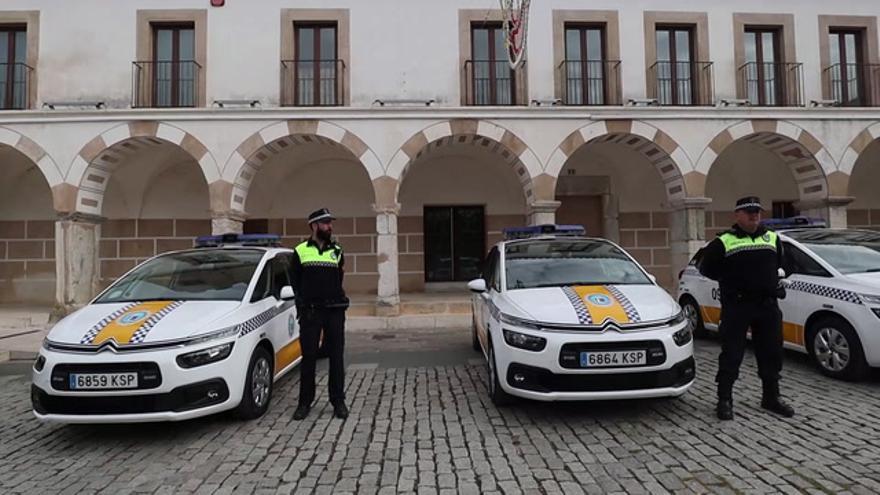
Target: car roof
[550, 237]
[832, 236]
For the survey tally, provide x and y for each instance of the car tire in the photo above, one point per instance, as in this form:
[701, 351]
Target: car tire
[692, 312]
[257, 394]
[498, 396]
[475, 339]
[836, 350]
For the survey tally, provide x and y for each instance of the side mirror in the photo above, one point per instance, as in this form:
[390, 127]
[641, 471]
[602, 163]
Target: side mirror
[287, 293]
[477, 285]
[653, 278]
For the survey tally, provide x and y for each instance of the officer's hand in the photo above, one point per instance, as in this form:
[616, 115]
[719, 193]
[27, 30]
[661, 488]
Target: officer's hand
[780, 292]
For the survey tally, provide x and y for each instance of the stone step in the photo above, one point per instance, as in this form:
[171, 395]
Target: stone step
[408, 322]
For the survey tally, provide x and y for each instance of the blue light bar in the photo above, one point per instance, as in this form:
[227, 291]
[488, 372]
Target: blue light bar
[798, 222]
[542, 230]
[264, 240]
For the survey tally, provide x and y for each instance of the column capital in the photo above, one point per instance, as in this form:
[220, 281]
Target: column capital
[80, 217]
[392, 209]
[544, 206]
[690, 203]
[830, 201]
[236, 216]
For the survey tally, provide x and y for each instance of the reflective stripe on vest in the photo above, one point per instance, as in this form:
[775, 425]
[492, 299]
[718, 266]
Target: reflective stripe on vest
[734, 244]
[312, 256]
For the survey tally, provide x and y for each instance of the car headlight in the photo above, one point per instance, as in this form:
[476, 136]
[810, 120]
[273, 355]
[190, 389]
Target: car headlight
[205, 356]
[870, 299]
[519, 322]
[683, 336]
[523, 341]
[675, 320]
[216, 335]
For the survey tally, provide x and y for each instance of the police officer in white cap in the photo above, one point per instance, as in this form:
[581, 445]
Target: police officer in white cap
[746, 261]
[318, 269]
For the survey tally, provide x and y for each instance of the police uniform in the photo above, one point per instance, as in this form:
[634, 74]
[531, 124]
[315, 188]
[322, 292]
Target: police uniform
[746, 266]
[321, 304]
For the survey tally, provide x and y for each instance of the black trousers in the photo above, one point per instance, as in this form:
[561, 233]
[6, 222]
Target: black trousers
[312, 321]
[765, 320]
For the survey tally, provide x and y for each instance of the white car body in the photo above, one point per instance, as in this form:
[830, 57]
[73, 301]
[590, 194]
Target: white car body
[580, 322]
[812, 293]
[147, 339]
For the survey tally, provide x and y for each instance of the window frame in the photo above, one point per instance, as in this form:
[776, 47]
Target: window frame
[791, 253]
[317, 26]
[583, 28]
[673, 61]
[492, 60]
[7, 100]
[778, 58]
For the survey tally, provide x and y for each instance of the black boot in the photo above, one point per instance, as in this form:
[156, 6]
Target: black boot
[301, 412]
[771, 401]
[339, 410]
[724, 409]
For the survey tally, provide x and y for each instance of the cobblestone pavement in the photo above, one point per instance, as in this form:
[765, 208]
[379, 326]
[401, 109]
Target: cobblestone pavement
[431, 429]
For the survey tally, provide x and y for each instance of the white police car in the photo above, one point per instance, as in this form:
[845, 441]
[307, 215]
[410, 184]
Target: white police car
[560, 316]
[184, 334]
[832, 307]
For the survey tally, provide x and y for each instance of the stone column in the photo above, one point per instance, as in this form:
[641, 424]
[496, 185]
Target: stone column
[687, 231]
[832, 209]
[543, 211]
[227, 223]
[76, 261]
[388, 298]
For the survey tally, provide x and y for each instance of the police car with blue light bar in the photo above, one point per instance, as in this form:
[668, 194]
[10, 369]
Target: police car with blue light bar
[562, 316]
[183, 334]
[832, 306]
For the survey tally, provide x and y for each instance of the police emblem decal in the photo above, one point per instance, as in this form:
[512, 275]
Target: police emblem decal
[598, 300]
[766, 237]
[132, 318]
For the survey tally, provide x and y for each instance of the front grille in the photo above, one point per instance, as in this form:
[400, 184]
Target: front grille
[542, 380]
[180, 399]
[569, 356]
[149, 376]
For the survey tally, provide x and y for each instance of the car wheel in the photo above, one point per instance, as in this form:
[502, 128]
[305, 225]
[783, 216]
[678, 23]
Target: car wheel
[836, 349]
[695, 318]
[475, 340]
[496, 393]
[257, 387]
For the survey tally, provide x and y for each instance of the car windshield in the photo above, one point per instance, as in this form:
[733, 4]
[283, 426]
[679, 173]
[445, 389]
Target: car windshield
[209, 275]
[569, 262]
[848, 251]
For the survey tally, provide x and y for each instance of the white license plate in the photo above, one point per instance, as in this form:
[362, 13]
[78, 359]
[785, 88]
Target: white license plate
[103, 381]
[604, 359]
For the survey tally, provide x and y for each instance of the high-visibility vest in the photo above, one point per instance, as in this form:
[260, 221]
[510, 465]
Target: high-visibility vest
[310, 255]
[733, 244]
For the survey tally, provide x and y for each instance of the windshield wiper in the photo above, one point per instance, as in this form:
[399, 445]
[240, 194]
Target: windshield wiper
[872, 270]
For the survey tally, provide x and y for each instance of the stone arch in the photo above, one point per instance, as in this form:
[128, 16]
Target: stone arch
[92, 167]
[805, 156]
[44, 162]
[519, 156]
[242, 166]
[667, 157]
[840, 183]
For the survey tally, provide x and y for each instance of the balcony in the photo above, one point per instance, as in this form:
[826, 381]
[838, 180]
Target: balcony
[312, 83]
[171, 84]
[15, 81]
[494, 83]
[591, 82]
[682, 83]
[772, 84]
[853, 85]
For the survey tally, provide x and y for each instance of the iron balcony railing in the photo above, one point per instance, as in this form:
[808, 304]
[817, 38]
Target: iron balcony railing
[591, 82]
[773, 84]
[494, 83]
[15, 79]
[854, 85]
[683, 83]
[159, 84]
[312, 83]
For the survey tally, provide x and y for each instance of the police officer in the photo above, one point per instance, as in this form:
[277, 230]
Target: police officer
[745, 261]
[321, 303]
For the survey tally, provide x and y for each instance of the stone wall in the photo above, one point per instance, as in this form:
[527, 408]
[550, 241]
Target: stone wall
[27, 261]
